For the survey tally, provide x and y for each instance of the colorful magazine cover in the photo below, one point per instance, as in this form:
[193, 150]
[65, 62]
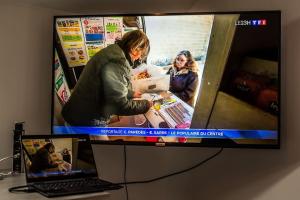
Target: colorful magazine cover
[113, 29]
[93, 29]
[71, 36]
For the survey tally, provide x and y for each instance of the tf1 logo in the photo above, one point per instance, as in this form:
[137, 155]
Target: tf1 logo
[254, 22]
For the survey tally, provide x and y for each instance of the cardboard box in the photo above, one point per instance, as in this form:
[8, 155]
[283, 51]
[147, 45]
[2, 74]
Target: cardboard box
[158, 81]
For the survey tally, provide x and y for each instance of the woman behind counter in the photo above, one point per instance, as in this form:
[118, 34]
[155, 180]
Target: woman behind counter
[184, 77]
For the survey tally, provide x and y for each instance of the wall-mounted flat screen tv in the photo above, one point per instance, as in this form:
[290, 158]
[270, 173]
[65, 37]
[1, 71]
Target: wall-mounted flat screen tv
[188, 79]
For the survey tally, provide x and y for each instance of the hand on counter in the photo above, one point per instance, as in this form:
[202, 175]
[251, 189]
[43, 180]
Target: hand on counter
[165, 95]
[150, 103]
[137, 94]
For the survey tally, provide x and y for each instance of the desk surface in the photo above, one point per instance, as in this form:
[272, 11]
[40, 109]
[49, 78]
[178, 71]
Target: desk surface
[19, 180]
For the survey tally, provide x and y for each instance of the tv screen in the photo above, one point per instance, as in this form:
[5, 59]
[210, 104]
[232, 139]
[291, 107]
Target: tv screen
[192, 79]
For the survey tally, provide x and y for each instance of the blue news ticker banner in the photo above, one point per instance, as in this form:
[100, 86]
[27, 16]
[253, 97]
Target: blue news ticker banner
[161, 132]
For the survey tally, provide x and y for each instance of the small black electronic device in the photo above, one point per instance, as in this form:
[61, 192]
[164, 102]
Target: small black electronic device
[18, 132]
[62, 165]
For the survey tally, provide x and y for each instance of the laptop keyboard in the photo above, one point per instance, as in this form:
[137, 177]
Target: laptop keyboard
[75, 187]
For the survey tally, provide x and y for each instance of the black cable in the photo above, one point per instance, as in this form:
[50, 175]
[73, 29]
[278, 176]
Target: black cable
[125, 170]
[174, 173]
[17, 189]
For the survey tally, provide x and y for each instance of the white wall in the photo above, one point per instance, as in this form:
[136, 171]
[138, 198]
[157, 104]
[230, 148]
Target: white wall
[176, 32]
[25, 77]
[25, 56]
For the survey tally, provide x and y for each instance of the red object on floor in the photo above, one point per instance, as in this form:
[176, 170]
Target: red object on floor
[152, 139]
[182, 140]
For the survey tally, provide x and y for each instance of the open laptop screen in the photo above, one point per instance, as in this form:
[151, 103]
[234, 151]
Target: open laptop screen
[54, 158]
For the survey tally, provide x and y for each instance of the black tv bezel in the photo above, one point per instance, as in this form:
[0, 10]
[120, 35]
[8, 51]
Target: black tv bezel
[223, 143]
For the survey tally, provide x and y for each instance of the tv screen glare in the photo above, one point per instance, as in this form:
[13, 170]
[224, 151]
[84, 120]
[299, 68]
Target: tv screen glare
[185, 79]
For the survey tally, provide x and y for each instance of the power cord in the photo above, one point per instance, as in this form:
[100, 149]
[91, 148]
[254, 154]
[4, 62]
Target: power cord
[8, 157]
[164, 176]
[18, 189]
[125, 169]
[3, 175]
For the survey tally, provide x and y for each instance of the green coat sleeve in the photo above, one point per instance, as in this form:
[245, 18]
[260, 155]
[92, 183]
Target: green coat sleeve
[130, 93]
[117, 92]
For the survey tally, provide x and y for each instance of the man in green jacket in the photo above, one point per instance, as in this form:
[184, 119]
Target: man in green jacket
[104, 86]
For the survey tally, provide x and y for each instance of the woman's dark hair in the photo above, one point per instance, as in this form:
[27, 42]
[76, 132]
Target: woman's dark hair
[135, 40]
[190, 63]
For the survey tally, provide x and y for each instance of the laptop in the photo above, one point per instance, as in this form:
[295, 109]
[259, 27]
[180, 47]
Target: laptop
[58, 165]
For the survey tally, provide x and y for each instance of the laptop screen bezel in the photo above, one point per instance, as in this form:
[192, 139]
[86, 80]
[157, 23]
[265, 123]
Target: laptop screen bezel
[57, 178]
